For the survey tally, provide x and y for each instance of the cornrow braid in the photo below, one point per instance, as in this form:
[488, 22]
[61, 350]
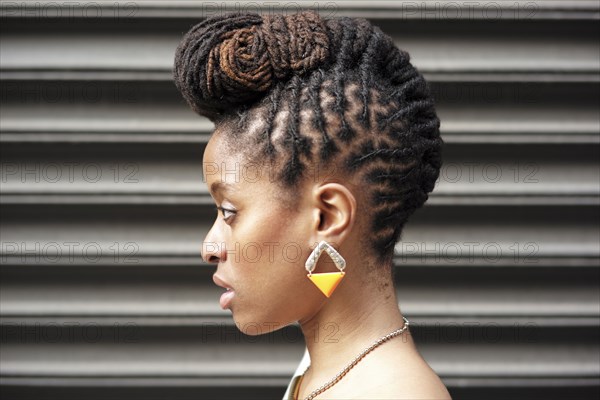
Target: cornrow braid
[334, 92]
[299, 145]
[328, 146]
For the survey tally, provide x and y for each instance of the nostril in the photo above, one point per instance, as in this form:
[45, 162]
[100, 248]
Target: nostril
[210, 252]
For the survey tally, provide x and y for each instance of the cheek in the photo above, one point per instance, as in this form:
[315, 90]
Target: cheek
[271, 255]
[270, 238]
[270, 274]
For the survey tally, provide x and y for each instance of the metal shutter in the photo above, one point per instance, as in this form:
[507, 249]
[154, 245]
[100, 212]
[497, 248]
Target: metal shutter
[103, 292]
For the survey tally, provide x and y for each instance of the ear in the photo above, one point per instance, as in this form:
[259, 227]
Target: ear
[334, 212]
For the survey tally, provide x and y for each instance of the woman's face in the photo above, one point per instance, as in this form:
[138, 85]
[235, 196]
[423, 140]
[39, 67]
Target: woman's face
[259, 246]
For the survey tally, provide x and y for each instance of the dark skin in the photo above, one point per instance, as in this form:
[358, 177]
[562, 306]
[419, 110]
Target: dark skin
[271, 289]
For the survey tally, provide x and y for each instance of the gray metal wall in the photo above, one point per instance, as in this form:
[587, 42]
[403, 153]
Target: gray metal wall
[103, 292]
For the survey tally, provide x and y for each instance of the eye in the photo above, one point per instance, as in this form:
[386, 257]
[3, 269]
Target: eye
[227, 213]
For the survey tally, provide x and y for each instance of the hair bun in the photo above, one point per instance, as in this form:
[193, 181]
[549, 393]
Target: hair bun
[232, 59]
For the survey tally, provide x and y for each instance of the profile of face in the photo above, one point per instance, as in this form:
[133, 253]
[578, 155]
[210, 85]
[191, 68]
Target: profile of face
[260, 246]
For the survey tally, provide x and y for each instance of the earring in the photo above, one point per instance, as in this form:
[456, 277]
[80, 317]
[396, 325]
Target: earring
[325, 281]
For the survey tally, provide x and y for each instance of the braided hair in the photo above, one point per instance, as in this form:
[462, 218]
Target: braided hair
[334, 92]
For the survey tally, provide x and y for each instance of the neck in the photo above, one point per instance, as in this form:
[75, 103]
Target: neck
[348, 322]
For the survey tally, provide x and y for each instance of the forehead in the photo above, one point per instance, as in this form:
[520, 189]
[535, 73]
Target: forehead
[219, 164]
[226, 143]
[228, 171]
[212, 151]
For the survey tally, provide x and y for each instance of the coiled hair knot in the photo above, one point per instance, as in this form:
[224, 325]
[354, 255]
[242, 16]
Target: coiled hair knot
[226, 61]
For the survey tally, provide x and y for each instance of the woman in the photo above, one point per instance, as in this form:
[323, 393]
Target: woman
[326, 140]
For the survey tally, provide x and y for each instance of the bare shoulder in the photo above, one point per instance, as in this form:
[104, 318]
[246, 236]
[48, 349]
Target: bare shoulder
[412, 387]
[418, 386]
[398, 373]
[414, 379]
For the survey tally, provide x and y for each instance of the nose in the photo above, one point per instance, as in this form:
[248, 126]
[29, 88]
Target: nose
[213, 251]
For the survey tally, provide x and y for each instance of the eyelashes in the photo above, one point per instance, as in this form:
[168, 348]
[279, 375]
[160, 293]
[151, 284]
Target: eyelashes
[225, 210]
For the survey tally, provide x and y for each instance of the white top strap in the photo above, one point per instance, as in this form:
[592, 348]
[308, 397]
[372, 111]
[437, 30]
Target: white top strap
[304, 363]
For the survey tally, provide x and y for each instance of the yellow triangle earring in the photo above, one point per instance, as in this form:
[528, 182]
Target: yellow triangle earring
[325, 281]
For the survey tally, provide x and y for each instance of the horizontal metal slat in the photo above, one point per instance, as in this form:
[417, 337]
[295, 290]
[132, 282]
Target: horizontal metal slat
[426, 9]
[437, 235]
[185, 296]
[149, 174]
[198, 354]
[50, 50]
[135, 112]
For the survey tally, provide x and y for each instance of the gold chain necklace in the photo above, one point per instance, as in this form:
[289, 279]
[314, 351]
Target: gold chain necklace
[356, 360]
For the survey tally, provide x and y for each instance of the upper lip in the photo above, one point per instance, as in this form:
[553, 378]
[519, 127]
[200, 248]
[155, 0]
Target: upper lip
[220, 282]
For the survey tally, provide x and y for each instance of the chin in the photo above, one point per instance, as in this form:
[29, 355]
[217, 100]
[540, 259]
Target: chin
[255, 325]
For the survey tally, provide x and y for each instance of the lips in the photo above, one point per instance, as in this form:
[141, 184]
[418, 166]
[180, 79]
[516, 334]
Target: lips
[226, 297]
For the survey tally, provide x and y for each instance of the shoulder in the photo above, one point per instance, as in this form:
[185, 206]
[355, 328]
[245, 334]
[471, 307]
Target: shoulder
[426, 388]
[411, 379]
[429, 388]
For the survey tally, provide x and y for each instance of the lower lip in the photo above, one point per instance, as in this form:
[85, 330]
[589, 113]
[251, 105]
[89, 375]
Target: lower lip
[225, 299]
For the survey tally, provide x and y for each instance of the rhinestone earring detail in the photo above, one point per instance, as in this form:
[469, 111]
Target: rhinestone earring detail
[325, 281]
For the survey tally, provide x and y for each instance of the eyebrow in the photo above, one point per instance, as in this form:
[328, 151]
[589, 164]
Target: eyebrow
[216, 187]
